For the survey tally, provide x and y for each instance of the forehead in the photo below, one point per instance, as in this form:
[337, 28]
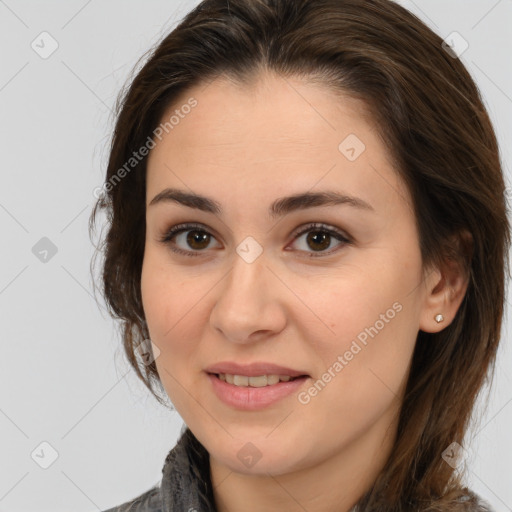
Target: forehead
[273, 108]
[276, 135]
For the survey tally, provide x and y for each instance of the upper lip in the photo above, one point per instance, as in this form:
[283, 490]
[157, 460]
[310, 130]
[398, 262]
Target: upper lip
[253, 369]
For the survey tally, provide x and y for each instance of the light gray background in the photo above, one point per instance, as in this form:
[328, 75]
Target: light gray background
[63, 377]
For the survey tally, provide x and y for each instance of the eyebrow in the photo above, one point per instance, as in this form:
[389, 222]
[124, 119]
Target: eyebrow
[278, 208]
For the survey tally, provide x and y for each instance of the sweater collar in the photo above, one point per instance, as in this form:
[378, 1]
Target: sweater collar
[186, 483]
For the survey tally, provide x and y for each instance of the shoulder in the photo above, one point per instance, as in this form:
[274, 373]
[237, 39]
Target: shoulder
[475, 503]
[185, 481]
[459, 500]
[148, 501]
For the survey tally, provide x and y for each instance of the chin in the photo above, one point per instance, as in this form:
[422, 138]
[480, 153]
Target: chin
[260, 456]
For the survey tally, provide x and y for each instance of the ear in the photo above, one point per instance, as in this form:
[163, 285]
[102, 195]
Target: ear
[445, 285]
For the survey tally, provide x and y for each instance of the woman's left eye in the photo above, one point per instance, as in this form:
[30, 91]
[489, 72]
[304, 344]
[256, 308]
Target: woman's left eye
[319, 236]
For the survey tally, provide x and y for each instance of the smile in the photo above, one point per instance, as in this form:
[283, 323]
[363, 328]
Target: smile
[255, 382]
[255, 392]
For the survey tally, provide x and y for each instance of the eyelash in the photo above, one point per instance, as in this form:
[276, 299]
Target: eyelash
[319, 227]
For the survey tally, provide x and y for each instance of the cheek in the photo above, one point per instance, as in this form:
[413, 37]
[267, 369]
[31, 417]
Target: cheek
[161, 290]
[363, 370]
[167, 303]
[170, 308]
[346, 304]
[366, 359]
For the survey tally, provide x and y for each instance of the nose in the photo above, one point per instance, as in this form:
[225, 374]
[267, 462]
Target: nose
[249, 305]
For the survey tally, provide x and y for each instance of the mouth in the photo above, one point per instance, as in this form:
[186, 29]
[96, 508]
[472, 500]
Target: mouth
[257, 381]
[257, 391]
[256, 385]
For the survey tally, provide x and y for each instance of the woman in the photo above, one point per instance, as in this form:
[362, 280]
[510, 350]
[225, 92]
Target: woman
[307, 245]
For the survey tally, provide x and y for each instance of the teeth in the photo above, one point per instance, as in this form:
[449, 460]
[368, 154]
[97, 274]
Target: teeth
[255, 382]
[240, 380]
[272, 379]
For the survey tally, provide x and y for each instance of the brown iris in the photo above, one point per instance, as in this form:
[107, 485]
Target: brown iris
[198, 237]
[319, 237]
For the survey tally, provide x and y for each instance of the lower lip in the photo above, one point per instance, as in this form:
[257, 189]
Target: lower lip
[251, 399]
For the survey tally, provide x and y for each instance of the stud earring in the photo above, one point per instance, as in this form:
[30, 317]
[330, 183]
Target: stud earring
[439, 318]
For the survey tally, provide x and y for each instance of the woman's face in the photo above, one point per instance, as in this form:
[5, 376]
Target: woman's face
[255, 285]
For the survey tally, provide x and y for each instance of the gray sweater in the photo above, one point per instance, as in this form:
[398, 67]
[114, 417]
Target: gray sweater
[186, 486]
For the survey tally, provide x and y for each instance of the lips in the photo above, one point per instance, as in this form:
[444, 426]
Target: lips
[254, 369]
[247, 398]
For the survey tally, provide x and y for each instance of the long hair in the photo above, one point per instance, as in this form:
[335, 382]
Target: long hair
[429, 113]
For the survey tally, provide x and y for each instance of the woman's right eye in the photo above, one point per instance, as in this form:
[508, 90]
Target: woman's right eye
[192, 235]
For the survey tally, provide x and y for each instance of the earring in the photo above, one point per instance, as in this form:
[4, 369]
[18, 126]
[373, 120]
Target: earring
[439, 318]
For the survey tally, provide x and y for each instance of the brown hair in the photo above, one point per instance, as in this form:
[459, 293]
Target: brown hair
[430, 115]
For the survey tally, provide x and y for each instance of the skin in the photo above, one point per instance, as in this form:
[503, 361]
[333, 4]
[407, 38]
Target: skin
[244, 147]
